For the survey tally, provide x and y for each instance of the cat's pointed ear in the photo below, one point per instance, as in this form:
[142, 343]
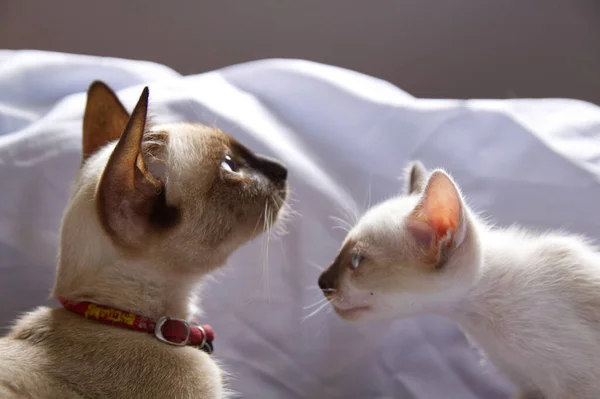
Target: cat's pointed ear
[128, 193]
[104, 119]
[438, 222]
[415, 176]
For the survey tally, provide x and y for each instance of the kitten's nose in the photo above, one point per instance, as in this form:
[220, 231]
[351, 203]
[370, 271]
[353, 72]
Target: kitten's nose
[274, 170]
[327, 282]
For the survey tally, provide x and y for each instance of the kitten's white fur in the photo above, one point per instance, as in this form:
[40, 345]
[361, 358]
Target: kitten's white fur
[530, 301]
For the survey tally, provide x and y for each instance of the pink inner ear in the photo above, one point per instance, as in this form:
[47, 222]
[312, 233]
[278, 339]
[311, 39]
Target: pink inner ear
[421, 232]
[443, 216]
[439, 212]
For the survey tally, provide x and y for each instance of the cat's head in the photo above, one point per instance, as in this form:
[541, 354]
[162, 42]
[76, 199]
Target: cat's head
[180, 197]
[413, 254]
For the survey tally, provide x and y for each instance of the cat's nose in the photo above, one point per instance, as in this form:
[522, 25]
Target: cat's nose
[272, 169]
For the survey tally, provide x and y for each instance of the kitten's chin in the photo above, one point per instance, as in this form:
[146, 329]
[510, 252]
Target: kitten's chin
[354, 314]
[369, 313]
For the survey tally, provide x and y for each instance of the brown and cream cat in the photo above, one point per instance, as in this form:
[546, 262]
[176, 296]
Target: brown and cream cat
[152, 210]
[530, 301]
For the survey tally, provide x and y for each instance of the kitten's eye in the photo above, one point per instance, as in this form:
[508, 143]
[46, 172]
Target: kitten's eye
[356, 259]
[229, 165]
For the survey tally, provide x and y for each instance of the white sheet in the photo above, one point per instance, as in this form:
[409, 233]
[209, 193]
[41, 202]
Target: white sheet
[532, 161]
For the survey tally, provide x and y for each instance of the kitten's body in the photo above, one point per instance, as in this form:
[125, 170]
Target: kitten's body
[530, 301]
[535, 311]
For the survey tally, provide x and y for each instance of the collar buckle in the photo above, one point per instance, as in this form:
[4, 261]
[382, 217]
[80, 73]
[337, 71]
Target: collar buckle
[158, 333]
[203, 345]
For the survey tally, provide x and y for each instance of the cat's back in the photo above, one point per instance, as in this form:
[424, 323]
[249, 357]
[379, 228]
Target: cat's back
[52, 350]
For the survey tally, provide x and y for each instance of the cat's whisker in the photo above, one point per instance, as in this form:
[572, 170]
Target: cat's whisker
[266, 242]
[263, 218]
[291, 196]
[190, 103]
[200, 117]
[284, 261]
[260, 218]
[281, 213]
[271, 228]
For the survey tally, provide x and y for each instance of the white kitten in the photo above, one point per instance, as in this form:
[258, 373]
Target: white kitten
[531, 301]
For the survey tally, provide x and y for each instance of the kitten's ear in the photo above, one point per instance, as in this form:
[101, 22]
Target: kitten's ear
[414, 178]
[438, 221]
[104, 119]
[128, 194]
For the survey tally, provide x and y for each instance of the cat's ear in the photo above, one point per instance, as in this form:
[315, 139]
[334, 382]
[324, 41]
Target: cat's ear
[415, 176]
[438, 222]
[104, 119]
[128, 194]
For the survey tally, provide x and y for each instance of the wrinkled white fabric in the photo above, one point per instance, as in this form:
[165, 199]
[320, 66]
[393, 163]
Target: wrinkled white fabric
[345, 138]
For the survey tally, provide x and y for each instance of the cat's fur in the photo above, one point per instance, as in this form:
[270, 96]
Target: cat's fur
[152, 210]
[530, 301]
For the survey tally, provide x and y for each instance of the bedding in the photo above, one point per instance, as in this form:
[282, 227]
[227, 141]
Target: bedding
[345, 138]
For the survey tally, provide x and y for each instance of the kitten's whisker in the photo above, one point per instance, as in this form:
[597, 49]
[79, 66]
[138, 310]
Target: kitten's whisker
[344, 229]
[314, 312]
[343, 224]
[318, 303]
[356, 216]
[369, 198]
[315, 265]
[352, 213]
[350, 210]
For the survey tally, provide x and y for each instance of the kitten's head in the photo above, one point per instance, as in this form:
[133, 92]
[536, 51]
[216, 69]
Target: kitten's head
[180, 197]
[409, 255]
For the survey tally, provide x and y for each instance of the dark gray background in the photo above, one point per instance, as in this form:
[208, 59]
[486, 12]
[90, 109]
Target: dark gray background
[431, 48]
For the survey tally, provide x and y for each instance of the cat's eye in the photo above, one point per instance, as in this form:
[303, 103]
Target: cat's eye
[229, 164]
[356, 259]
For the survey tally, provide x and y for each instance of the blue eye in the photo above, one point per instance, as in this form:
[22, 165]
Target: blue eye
[229, 165]
[356, 259]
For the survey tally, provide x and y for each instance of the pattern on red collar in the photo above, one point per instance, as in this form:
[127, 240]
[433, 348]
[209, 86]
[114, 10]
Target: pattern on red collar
[169, 330]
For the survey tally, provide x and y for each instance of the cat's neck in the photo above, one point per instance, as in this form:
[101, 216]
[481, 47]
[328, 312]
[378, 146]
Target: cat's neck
[138, 288]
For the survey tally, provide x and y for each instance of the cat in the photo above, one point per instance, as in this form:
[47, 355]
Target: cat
[152, 211]
[530, 301]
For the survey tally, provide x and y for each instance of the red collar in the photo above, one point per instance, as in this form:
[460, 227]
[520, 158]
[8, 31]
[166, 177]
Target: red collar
[169, 330]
